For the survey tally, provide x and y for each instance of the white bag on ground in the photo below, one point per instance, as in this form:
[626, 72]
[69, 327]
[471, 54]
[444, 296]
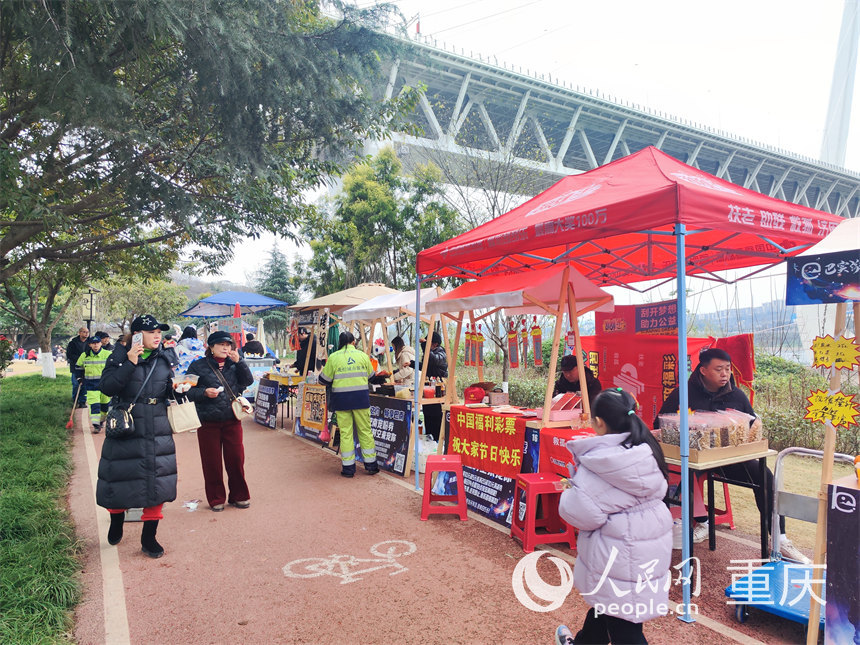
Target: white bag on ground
[426, 447]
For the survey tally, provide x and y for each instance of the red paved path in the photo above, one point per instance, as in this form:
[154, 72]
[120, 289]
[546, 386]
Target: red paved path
[222, 579]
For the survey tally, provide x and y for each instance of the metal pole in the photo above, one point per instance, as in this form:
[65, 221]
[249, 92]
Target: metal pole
[415, 375]
[683, 402]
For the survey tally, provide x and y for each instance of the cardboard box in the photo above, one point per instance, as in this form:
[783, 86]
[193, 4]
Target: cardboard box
[499, 398]
[715, 454]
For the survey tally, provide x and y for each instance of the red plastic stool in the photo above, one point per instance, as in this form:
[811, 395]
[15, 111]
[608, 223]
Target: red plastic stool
[721, 515]
[525, 527]
[443, 463]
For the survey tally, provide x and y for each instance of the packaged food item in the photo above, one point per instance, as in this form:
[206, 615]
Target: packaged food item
[670, 429]
[738, 426]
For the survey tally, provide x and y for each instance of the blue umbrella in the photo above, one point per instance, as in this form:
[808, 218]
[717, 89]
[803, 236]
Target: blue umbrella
[222, 305]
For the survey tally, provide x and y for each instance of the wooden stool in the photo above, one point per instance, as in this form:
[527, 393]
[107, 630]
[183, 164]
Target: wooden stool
[444, 463]
[525, 528]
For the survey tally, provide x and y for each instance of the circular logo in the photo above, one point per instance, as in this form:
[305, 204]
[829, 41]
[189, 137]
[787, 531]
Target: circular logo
[526, 580]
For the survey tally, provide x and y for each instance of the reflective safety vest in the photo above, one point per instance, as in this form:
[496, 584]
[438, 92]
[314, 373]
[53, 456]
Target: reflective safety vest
[347, 370]
[93, 364]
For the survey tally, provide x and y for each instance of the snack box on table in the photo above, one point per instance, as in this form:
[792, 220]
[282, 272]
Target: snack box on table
[712, 435]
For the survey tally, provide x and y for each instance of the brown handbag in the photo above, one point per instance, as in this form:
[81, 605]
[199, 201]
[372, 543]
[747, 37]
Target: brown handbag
[240, 405]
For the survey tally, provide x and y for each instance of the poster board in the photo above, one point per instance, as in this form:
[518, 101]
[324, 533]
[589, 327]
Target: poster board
[314, 412]
[266, 403]
[390, 422]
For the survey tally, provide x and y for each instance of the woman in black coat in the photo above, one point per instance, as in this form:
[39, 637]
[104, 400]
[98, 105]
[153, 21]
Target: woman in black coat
[221, 372]
[140, 470]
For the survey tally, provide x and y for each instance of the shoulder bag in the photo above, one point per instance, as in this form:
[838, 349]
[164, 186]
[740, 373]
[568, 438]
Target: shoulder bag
[182, 416]
[239, 404]
[119, 424]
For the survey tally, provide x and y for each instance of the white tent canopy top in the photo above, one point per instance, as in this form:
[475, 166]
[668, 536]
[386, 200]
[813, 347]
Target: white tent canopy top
[390, 305]
[520, 293]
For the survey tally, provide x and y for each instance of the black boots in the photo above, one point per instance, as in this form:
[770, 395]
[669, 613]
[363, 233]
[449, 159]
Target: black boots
[148, 543]
[115, 530]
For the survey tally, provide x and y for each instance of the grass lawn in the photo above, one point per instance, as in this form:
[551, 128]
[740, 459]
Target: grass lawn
[39, 585]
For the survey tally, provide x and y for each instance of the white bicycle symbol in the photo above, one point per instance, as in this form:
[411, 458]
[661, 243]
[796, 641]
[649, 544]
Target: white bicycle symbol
[348, 567]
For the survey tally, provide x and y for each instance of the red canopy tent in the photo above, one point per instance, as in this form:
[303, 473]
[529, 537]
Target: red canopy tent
[644, 217]
[615, 224]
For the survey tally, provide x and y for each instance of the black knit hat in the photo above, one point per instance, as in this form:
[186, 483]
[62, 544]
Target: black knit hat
[219, 337]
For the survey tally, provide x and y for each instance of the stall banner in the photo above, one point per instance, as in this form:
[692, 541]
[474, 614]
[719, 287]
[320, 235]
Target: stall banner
[309, 318]
[266, 403]
[259, 368]
[390, 422]
[314, 414]
[554, 455]
[823, 278]
[651, 318]
[644, 365]
[230, 325]
[488, 494]
[487, 441]
[842, 612]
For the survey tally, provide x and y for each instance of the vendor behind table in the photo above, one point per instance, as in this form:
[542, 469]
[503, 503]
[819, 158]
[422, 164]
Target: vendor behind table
[437, 368]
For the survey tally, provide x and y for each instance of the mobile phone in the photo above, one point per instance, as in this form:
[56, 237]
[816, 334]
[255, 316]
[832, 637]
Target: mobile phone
[137, 339]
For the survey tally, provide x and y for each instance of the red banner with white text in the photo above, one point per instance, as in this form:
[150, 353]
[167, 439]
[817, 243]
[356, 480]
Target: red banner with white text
[487, 441]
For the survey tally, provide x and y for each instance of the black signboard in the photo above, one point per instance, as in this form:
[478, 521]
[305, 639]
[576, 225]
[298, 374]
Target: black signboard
[266, 403]
[823, 278]
[390, 422]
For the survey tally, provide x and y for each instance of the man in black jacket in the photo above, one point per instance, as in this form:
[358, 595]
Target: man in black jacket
[569, 379]
[74, 349]
[711, 387]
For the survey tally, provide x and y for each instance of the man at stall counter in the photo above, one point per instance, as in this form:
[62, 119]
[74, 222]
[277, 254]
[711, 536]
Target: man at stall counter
[712, 387]
[306, 341]
[569, 379]
[347, 371]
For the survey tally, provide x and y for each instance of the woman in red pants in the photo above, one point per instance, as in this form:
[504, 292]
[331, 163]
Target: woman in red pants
[222, 375]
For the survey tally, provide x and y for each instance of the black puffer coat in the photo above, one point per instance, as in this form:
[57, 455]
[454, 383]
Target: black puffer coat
[238, 377]
[139, 471]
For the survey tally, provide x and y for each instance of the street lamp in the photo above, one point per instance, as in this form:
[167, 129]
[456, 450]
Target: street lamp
[90, 299]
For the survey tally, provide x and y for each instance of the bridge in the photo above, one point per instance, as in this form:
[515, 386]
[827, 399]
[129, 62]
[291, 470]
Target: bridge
[477, 113]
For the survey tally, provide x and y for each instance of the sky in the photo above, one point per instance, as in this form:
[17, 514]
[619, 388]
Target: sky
[759, 69]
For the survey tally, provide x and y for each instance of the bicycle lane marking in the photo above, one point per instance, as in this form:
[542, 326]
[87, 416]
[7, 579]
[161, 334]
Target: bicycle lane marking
[113, 590]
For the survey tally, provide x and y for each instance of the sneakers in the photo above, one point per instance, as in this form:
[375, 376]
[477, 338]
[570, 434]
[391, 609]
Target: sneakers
[700, 532]
[347, 474]
[97, 427]
[217, 507]
[791, 552]
[563, 636]
[243, 504]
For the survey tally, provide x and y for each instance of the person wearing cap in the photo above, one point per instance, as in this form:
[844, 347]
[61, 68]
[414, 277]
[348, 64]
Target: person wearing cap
[105, 338]
[139, 471]
[92, 362]
[222, 374]
[347, 371]
[188, 349]
[306, 340]
[74, 350]
[569, 379]
[437, 367]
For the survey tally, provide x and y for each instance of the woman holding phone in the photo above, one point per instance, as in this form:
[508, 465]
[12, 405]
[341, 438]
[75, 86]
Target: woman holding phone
[222, 376]
[140, 470]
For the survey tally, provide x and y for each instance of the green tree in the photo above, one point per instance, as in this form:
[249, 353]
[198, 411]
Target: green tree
[124, 299]
[277, 280]
[124, 124]
[377, 225]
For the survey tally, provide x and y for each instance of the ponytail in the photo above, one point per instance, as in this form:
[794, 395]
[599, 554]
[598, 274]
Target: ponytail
[617, 408]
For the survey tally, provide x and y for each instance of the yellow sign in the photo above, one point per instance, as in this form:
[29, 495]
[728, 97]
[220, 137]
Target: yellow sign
[840, 353]
[837, 408]
[314, 410]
